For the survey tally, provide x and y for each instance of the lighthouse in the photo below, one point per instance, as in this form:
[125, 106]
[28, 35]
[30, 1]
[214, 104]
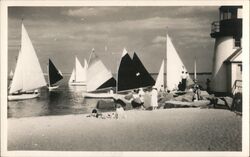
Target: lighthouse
[227, 62]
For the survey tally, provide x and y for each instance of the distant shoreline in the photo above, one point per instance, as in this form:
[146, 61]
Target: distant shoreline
[198, 73]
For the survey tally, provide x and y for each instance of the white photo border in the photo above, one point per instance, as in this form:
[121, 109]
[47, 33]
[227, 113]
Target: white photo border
[4, 66]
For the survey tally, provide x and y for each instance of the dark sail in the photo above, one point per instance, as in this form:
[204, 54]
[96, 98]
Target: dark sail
[126, 73]
[143, 78]
[110, 83]
[54, 74]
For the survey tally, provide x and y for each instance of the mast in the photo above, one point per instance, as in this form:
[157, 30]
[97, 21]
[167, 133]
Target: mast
[195, 76]
[166, 65]
[75, 68]
[93, 50]
[48, 75]
[116, 84]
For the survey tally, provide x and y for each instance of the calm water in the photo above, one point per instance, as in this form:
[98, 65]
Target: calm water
[64, 100]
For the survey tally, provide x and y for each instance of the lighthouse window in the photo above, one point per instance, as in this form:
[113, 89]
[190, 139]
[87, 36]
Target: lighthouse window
[226, 15]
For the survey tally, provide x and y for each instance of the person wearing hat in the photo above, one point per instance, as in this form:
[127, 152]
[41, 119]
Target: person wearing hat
[154, 98]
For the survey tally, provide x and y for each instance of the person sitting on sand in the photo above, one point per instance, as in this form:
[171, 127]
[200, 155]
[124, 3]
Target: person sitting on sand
[154, 98]
[95, 113]
[120, 113]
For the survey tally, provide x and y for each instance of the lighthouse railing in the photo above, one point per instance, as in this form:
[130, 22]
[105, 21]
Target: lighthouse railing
[215, 27]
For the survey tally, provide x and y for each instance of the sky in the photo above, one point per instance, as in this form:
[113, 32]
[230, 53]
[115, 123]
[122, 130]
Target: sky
[61, 33]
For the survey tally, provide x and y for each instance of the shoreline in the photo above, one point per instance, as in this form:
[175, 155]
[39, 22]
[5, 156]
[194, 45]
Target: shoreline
[176, 129]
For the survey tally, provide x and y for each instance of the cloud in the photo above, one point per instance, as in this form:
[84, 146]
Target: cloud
[159, 39]
[91, 11]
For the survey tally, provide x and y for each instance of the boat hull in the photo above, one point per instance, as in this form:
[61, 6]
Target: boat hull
[77, 83]
[98, 95]
[52, 88]
[22, 96]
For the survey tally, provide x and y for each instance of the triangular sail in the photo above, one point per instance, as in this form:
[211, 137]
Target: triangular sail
[143, 78]
[126, 78]
[98, 76]
[80, 72]
[159, 83]
[28, 67]
[72, 76]
[174, 65]
[17, 82]
[54, 74]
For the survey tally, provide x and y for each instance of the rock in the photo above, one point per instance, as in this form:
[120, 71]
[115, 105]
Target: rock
[165, 97]
[168, 105]
[204, 93]
[229, 101]
[105, 104]
[237, 102]
[221, 102]
[188, 97]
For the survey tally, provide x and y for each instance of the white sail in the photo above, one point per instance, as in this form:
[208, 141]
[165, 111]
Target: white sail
[159, 84]
[80, 72]
[174, 65]
[28, 74]
[97, 73]
[17, 82]
[72, 77]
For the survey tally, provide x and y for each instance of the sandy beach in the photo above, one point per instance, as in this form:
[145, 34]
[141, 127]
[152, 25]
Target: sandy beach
[182, 129]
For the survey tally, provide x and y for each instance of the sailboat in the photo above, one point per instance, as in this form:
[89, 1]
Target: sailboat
[174, 66]
[99, 79]
[159, 83]
[79, 74]
[28, 76]
[54, 76]
[132, 74]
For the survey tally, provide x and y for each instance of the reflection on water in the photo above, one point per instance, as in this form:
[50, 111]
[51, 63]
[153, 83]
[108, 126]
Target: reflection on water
[64, 100]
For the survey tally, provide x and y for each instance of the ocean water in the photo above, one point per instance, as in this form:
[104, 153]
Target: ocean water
[65, 100]
[62, 101]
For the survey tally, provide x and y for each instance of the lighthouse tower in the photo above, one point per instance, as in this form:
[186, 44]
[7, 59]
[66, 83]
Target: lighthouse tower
[227, 33]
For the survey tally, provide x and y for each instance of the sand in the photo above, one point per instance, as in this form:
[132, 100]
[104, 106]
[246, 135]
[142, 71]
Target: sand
[182, 129]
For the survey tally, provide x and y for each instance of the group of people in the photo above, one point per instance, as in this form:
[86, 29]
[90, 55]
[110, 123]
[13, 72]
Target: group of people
[138, 98]
[118, 114]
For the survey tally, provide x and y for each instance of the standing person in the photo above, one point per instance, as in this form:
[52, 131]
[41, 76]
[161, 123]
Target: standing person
[183, 80]
[141, 92]
[154, 98]
[120, 113]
